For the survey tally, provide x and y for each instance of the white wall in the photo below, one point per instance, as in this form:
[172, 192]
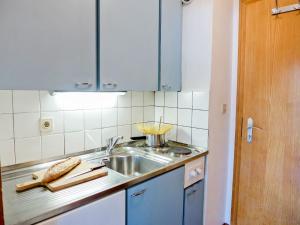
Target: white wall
[197, 45]
[218, 121]
[232, 108]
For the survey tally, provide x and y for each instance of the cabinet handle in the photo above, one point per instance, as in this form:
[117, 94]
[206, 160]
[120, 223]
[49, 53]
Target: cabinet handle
[83, 85]
[109, 85]
[166, 87]
[141, 192]
[191, 193]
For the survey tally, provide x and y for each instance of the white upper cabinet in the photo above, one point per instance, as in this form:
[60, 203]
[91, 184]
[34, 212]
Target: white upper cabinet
[48, 44]
[129, 45]
[171, 32]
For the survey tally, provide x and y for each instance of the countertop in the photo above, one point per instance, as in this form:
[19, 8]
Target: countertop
[38, 204]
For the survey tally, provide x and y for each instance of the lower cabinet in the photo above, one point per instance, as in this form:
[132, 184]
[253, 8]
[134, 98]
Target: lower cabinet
[158, 201]
[106, 211]
[193, 204]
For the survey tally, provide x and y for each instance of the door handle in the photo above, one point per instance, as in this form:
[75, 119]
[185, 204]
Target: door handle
[83, 85]
[250, 127]
[138, 193]
[109, 85]
[166, 87]
[250, 130]
[192, 192]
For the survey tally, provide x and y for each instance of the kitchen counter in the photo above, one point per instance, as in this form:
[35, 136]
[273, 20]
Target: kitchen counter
[38, 204]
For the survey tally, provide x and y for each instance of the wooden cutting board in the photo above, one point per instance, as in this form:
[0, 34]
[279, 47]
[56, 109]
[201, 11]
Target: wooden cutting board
[62, 182]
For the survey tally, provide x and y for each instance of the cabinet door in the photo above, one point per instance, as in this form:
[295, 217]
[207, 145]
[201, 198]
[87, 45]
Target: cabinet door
[49, 44]
[107, 211]
[171, 32]
[129, 34]
[193, 205]
[158, 201]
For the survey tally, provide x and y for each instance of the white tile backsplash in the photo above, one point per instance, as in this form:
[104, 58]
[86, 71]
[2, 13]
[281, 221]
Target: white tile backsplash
[108, 133]
[148, 98]
[199, 137]
[137, 98]
[135, 132]
[159, 113]
[170, 115]
[74, 142]
[172, 135]
[184, 134]
[171, 99]
[92, 119]
[185, 117]
[26, 101]
[124, 100]
[58, 121]
[109, 117]
[149, 114]
[125, 131]
[188, 112]
[159, 98]
[92, 139]
[28, 149]
[201, 100]
[200, 119]
[73, 121]
[50, 103]
[53, 145]
[7, 152]
[6, 102]
[185, 100]
[73, 101]
[26, 125]
[137, 115]
[83, 121]
[124, 116]
[6, 126]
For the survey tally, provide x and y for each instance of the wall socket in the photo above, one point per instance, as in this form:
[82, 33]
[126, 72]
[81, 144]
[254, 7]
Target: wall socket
[46, 125]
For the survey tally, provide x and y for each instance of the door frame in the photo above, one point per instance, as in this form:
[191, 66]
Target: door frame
[239, 111]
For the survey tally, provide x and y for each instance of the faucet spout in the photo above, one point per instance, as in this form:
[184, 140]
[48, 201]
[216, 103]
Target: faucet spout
[111, 143]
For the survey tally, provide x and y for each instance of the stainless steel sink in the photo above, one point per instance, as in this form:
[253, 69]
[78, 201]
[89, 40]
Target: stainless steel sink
[132, 165]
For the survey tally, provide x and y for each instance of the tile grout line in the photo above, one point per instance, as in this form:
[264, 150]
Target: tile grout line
[13, 116]
[192, 117]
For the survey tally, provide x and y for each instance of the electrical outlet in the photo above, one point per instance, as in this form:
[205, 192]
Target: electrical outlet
[46, 124]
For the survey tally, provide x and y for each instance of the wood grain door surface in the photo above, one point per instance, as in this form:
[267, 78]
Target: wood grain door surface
[267, 171]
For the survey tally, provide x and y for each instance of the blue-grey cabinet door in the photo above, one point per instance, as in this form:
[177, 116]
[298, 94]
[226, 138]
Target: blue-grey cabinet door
[129, 44]
[193, 204]
[48, 44]
[158, 201]
[171, 33]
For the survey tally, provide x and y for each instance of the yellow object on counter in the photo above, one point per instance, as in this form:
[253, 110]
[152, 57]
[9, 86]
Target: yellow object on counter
[154, 128]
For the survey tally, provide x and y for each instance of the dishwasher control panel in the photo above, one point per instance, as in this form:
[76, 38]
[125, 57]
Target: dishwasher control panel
[194, 171]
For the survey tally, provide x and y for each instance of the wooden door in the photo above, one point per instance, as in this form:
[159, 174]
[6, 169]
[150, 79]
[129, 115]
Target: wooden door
[129, 44]
[267, 171]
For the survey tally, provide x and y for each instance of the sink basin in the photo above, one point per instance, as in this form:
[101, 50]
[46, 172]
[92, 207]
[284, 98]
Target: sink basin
[132, 165]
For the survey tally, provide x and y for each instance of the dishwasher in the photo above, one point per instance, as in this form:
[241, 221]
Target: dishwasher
[193, 204]
[194, 192]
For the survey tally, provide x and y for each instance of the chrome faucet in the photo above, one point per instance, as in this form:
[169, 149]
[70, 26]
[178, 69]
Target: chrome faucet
[111, 143]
